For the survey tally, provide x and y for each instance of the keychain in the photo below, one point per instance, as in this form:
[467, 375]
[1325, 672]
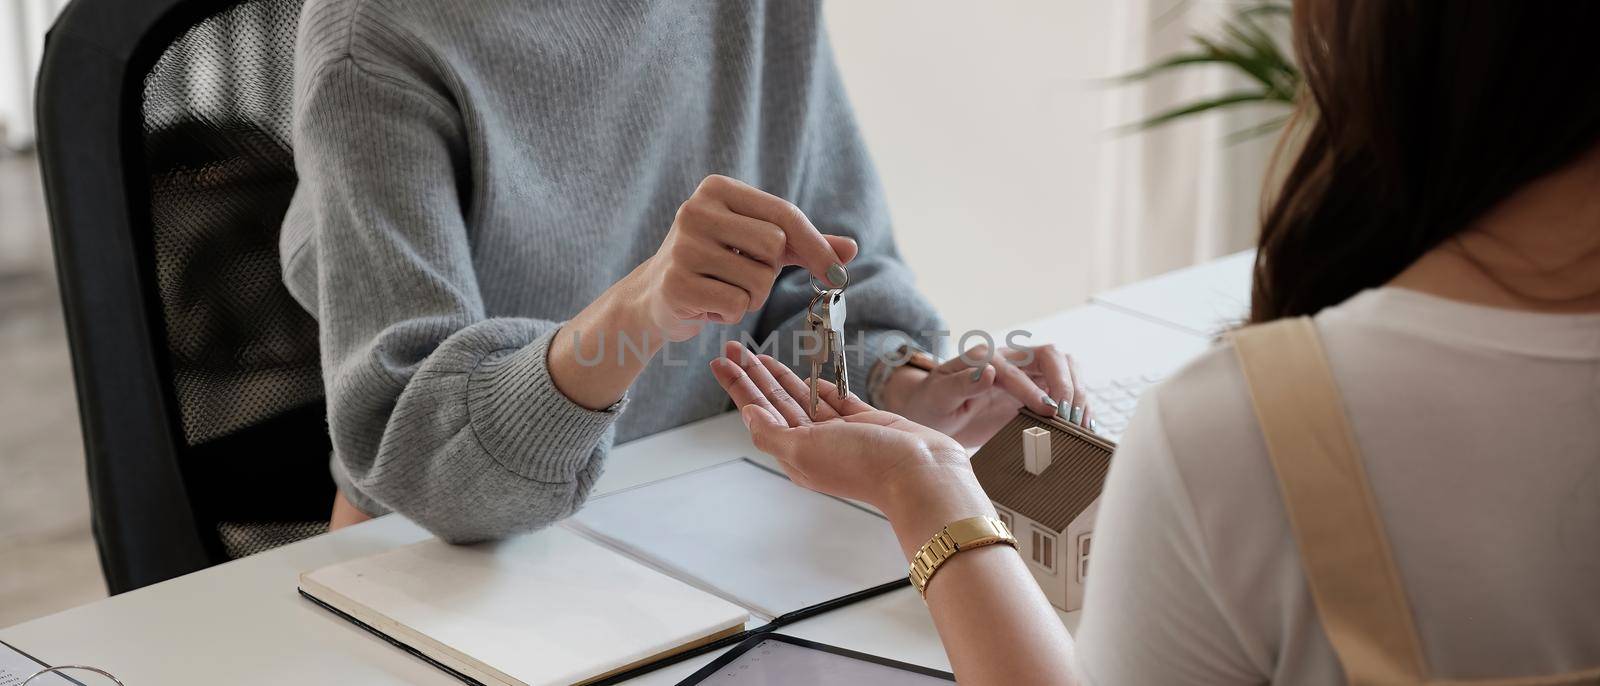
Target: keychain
[825, 319]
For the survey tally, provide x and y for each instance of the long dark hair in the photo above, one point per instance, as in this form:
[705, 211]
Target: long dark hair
[1418, 116]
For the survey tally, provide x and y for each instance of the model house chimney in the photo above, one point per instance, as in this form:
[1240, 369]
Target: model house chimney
[1035, 450]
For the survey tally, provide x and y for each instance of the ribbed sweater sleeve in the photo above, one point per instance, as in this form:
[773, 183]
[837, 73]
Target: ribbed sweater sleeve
[436, 409]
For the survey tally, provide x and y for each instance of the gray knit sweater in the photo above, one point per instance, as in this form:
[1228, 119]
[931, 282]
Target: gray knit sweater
[473, 173]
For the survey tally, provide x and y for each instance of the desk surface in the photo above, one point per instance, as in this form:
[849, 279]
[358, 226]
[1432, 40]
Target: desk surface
[243, 623]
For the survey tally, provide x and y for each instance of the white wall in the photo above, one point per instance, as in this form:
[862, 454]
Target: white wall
[22, 27]
[994, 130]
[985, 124]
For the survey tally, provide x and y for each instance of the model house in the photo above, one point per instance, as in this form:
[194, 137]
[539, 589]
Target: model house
[1045, 477]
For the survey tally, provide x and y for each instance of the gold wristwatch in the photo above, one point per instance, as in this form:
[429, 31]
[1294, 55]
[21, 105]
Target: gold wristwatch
[973, 532]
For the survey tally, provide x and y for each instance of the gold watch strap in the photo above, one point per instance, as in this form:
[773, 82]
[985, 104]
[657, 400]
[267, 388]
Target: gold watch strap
[965, 534]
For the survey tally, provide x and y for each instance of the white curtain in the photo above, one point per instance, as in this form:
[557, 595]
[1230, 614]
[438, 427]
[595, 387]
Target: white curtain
[1182, 193]
[23, 24]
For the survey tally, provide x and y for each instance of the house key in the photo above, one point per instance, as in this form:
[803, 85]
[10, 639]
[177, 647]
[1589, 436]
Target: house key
[825, 318]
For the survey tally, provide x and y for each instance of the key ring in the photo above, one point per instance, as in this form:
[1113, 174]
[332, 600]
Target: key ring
[811, 308]
[836, 273]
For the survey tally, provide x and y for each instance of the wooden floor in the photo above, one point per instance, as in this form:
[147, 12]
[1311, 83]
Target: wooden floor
[47, 557]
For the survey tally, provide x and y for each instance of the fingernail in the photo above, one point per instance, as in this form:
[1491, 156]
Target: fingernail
[836, 275]
[1054, 406]
[744, 414]
[977, 374]
[1077, 415]
[1094, 425]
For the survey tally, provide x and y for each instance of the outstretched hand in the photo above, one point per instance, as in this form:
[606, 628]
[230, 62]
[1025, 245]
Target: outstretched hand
[850, 450]
[988, 608]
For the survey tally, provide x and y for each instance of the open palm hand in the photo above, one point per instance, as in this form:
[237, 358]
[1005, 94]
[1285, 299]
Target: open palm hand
[849, 450]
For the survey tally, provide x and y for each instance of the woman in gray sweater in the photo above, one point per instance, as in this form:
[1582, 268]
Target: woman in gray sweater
[492, 194]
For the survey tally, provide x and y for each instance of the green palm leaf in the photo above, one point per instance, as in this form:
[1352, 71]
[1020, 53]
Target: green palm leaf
[1245, 45]
[1219, 102]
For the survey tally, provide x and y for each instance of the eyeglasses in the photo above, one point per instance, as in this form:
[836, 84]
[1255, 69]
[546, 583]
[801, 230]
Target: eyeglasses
[101, 678]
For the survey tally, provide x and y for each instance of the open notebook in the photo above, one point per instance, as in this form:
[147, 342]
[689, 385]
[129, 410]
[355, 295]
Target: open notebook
[546, 608]
[639, 576]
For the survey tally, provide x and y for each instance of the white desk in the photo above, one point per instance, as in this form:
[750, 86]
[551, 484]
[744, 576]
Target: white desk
[243, 623]
[1203, 300]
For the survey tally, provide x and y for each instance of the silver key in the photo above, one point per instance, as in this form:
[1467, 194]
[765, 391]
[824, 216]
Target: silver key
[820, 333]
[825, 320]
[833, 314]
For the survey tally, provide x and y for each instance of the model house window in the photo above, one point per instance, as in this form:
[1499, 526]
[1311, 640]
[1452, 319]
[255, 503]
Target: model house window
[1083, 557]
[1005, 518]
[1044, 549]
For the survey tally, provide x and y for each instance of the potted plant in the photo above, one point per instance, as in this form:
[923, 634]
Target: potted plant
[1246, 44]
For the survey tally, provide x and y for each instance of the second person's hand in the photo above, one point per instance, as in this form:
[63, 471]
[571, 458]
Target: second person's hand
[973, 395]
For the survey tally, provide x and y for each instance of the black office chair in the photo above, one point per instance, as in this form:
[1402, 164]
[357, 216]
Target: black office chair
[164, 140]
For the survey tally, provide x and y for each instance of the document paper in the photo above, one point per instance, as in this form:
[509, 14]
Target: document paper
[747, 533]
[15, 667]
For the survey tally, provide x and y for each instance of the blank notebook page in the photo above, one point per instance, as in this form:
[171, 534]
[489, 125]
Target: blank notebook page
[749, 534]
[545, 608]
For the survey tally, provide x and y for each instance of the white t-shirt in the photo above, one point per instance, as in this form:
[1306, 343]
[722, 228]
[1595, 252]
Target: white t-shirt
[1480, 431]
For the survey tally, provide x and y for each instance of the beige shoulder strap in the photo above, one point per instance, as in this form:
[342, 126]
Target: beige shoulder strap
[1343, 546]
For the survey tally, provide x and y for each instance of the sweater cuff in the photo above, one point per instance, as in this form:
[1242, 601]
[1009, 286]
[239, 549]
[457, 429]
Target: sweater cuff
[527, 424]
[876, 347]
[347, 486]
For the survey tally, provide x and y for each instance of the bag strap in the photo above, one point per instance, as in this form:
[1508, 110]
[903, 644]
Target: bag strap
[1343, 547]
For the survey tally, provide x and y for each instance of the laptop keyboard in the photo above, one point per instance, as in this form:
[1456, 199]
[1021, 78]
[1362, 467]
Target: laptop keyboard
[1112, 402]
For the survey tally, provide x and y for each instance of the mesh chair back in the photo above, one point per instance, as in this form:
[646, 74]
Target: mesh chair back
[243, 353]
[164, 141]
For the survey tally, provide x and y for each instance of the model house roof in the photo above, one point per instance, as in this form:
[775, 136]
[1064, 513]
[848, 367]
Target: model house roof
[1077, 472]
